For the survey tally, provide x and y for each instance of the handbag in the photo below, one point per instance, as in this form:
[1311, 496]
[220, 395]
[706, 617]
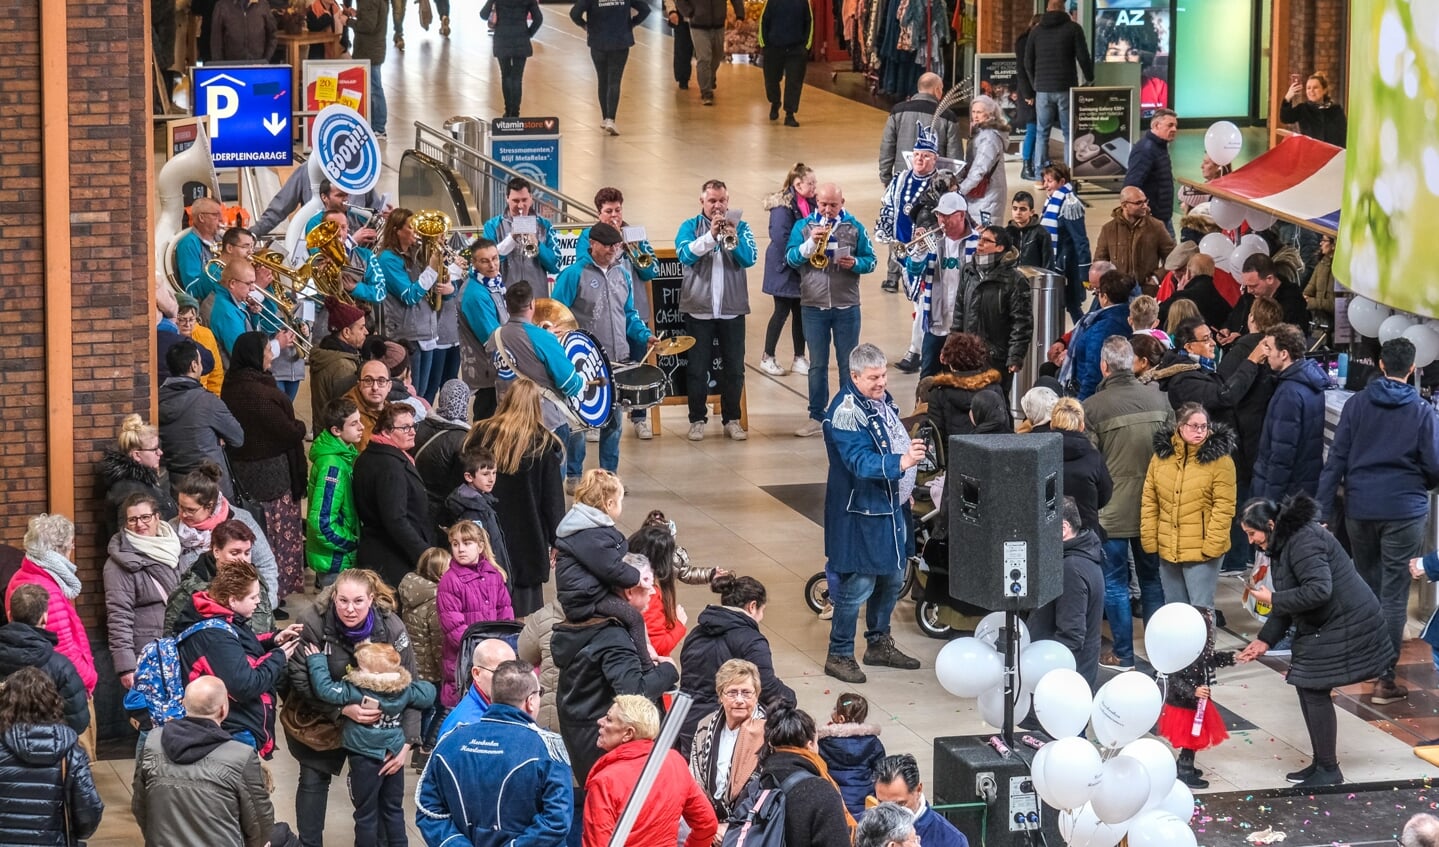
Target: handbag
[242, 498]
[308, 727]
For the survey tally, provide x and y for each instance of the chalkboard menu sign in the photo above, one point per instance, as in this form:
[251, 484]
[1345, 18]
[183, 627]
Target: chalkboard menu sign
[666, 321]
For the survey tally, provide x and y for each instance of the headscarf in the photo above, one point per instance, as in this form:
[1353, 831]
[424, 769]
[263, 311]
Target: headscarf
[453, 401]
[249, 352]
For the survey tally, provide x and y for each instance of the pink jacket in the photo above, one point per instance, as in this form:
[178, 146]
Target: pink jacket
[61, 619]
[467, 594]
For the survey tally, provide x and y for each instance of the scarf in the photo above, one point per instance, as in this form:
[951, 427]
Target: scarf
[60, 569]
[1054, 209]
[162, 547]
[359, 633]
[921, 288]
[898, 443]
[987, 261]
[390, 442]
[197, 537]
[803, 204]
[813, 758]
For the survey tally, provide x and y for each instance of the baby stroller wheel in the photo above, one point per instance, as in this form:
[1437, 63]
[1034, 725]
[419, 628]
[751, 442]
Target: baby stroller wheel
[927, 618]
[911, 571]
[816, 592]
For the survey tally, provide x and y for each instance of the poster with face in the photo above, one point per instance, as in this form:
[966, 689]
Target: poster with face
[1137, 31]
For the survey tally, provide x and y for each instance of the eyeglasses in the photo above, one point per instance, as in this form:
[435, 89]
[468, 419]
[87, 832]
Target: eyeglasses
[405, 428]
[738, 694]
[990, 241]
[374, 381]
[155, 449]
[137, 520]
[1134, 202]
[195, 512]
[1198, 427]
[1208, 339]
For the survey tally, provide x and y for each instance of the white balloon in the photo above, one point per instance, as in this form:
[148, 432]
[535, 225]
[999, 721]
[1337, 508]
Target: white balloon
[1259, 219]
[966, 667]
[1158, 828]
[992, 624]
[1226, 213]
[1036, 769]
[1223, 141]
[1235, 263]
[1125, 708]
[1083, 828]
[1158, 762]
[1062, 702]
[1366, 316]
[1123, 791]
[1216, 245]
[1426, 344]
[991, 706]
[1178, 802]
[1041, 657]
[1255, 242]
[1174, 637]
[1071, 772]
[1394, 326]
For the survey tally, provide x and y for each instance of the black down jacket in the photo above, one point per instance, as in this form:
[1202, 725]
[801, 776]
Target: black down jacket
[1338, 639]
[50, 795]
[723, 633]
[395, 521]
[25, 646]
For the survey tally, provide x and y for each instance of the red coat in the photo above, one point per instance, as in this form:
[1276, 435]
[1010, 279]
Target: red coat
[60, 618]
[663, 637]
[675, 794]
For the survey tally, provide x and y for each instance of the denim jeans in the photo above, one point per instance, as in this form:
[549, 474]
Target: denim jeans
[1382, 550]
[291, 387]
[1116, 591]
[609, 448]
[879, 593]
[512, 83]
[378, 112]
[1026, 148]
[929, 354]
[1190, 582]
[421, 362]
[444, 366]
[1240, 554]
[312, 795]
[820, 326]
[379, 802]
[730, 333]
[1047, 106]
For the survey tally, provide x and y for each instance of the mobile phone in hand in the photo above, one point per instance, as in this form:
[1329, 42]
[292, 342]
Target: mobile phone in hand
[368, 702]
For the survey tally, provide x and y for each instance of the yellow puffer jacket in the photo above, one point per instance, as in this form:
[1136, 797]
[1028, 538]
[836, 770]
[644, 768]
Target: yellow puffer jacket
[1188, 496]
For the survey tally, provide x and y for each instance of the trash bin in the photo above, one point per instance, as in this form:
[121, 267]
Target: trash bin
[1046, 289]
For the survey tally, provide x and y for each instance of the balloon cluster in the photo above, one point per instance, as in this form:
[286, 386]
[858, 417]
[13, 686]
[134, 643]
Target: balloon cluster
[1222, 142]
[1375, 320]
[1126, 786]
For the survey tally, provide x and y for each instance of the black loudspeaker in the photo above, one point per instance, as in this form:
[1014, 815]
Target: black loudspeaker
[973, 769]
[1004, 494]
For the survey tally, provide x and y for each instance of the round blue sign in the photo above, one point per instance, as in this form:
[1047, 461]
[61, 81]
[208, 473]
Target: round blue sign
[347, 149]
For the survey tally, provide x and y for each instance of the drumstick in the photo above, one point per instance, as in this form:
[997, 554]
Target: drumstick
[652, 352]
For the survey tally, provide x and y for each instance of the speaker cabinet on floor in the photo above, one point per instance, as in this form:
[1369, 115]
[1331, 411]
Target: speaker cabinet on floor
[1004, 494]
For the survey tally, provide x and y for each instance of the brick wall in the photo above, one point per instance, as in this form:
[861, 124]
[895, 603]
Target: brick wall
[1001, 21]
[110, 256]
[1319, 41]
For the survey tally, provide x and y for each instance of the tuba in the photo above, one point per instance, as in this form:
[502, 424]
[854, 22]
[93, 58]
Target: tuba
[433, 227]
[819, 260]
[327, 276]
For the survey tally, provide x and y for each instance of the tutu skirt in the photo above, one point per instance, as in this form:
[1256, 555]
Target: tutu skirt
[1176, 725]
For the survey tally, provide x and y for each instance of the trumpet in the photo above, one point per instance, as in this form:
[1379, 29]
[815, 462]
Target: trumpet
[923, 245]
[529, 244]
[433, 228]
[642, 258]
[819, 260]
[728, 239]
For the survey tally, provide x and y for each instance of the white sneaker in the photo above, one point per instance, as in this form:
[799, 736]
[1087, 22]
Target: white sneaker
[771, 367]
[827, 612]
[609, 127]
[734, 431]
[643, 431]
[592, 436]
[809, 429]
[800, 366]
[697, 431]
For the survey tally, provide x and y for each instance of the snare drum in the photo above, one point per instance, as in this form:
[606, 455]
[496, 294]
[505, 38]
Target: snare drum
[641, 386]
[594, 404]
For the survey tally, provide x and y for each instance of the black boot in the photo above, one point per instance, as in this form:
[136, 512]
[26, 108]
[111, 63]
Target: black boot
[1188, 774]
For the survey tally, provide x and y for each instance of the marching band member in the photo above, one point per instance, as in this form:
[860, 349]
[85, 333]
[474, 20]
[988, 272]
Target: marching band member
[482, 312]
[828, 291]
[714, 298]
[338, 200]
[409, 319]
[932, 281]
[237, 244]
[233, 314]
[895, 226]
[287, 365]
[361, 277]
[515, 263]
[447, 332]
[597, 288]
[521, 349]
[197, 247]
[611, 204]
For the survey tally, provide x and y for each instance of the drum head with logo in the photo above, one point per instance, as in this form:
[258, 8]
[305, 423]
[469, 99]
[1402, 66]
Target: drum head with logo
[595, 403]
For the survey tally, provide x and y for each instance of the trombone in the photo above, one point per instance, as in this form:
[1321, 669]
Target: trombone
[285, 298]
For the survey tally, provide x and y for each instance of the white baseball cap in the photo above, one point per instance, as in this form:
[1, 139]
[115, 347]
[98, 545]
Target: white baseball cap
[951, 203]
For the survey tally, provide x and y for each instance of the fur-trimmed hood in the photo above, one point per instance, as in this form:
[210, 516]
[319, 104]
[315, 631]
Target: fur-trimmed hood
[847, 730]
[1295, 513]
[390, 682]
[1200, 223]
[116, 466]
[782, 198]
[1221, 442]
[966, 380]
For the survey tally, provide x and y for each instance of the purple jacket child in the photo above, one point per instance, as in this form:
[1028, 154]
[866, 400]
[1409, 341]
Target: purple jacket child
[467, 594]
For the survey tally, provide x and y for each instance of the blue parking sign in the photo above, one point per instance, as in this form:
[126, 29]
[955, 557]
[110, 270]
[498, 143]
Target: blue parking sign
[249, 113]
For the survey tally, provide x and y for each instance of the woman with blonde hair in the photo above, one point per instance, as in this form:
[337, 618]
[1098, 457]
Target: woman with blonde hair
[1086, 477]
[793, 202]
[133, 466]
[529, 488]
[728, 742]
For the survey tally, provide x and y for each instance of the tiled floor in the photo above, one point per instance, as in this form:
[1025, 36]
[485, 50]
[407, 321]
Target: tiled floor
[720, 492]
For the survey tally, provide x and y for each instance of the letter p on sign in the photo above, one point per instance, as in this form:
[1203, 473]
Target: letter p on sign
[221, 102]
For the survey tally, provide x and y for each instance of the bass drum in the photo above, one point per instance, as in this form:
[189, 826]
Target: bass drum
[594, 405]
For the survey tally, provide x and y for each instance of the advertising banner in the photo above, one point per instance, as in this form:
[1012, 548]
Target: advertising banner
[329, 81]
[1102, 131]
[1139, 32]
[997, 75]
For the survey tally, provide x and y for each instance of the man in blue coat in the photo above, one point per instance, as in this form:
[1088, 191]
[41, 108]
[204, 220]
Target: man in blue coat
[1111, 318]
[867, 525]
[1291, 444]
[1386, 455]
[896, 780]
[501, 780]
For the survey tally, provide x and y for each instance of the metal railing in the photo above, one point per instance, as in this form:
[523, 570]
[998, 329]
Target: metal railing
[459, 148]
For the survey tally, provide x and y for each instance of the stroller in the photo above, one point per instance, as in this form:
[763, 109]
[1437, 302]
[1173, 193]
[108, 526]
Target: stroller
[506, 631]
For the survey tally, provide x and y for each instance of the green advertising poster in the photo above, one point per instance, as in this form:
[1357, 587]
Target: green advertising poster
[1391, 179]
[1213, 76]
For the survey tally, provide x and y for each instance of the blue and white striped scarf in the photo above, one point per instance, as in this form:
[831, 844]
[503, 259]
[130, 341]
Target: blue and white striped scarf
[921, 288]
[1063, 203]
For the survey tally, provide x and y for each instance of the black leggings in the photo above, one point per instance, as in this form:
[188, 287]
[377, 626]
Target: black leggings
[784, 308]
[1317, 706]
[512, 75]
[609, 70]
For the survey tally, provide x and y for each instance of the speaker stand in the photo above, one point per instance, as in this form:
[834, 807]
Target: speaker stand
[1011, 674]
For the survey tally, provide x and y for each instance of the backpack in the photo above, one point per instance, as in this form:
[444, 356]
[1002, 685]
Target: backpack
[757, 819]
[160, 680]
